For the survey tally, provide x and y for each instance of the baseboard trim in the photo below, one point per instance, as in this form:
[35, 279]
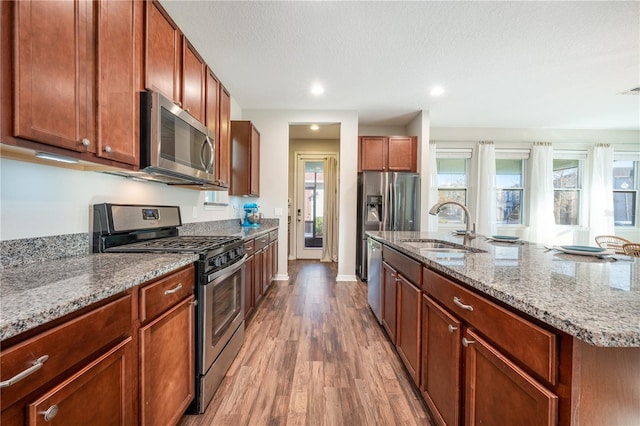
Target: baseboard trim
[346, 278]
[281, 277]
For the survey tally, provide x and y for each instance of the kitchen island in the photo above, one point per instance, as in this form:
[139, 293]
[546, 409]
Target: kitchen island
[583, 311]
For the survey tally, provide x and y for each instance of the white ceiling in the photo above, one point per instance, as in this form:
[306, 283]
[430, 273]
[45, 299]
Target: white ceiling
[503, 64]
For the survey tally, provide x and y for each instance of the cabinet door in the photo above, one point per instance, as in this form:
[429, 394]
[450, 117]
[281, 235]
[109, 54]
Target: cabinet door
[249, 300]
[274, 270]
[100, 393]
[266, 268]
[402, 154]
[194, 72]
[163, 48]
[53, 83]
[389, 299]
[497, 392]
[223, 139]
[257, 276]
[408, 330]
[254, 188]
[119, 55]
[167, 373]
[441, 352]
[372, 153]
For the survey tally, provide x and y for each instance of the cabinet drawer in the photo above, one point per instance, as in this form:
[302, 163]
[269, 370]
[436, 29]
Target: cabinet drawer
[65, 345]
[273, 235]
[160, 295]
[261, 242]
[407, 267]
[249, 247]
[533, 346]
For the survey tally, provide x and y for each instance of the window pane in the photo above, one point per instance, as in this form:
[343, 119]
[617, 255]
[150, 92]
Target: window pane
[452, 213]
[509, 206]
[509, 173]
[624, 208]
[623, 174]
[565, 173]
[452, 172]
[566, 206]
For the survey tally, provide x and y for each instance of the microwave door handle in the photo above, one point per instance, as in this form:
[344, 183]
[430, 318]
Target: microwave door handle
[207, 142]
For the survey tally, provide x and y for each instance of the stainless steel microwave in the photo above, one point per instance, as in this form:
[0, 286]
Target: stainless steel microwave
[173, 143]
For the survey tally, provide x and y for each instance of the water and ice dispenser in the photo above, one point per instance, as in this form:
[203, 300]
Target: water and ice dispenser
[374, 209]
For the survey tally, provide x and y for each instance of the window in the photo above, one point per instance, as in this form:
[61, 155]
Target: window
[509, 190]
[567, 185]
[453, 178]
[625, 192]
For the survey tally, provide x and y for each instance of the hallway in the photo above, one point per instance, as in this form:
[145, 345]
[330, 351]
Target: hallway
[314, 354]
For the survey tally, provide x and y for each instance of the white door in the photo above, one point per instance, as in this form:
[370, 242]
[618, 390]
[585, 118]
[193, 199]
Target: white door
[309, 206]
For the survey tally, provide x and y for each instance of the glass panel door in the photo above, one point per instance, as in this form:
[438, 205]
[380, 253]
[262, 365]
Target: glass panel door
[310, 213]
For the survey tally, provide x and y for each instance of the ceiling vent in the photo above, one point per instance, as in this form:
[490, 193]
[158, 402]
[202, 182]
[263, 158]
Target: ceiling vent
[634, 91]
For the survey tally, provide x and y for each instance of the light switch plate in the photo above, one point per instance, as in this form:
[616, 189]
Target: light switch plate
[278, 211]
[194, 213]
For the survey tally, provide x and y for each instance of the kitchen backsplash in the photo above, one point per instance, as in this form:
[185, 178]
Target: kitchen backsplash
[31, 250]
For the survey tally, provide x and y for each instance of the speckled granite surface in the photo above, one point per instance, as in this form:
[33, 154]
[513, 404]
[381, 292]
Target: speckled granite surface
[34, 294]
[596, 300]
[228, 227]
[31, 250]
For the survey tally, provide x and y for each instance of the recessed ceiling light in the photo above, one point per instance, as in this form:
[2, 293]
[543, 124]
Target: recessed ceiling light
[437, 91]
[55, 157]
[317, 89]
[314, 127]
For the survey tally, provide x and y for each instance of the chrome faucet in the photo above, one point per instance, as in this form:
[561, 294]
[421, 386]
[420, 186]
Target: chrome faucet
[469, 234]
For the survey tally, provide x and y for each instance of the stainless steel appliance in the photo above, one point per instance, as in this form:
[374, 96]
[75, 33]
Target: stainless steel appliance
[374, 283]
[220, 278]
[175, 148]
[387, 201]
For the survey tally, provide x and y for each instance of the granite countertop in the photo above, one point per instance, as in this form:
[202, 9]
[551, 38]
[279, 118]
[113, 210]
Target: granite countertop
[36, 293]
[595, 300]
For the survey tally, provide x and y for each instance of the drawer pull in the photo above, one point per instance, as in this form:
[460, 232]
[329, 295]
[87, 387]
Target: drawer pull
[462, 305]
[452, 328]
[37, 364]
[173, 290]
[466, 342]
[50, 413]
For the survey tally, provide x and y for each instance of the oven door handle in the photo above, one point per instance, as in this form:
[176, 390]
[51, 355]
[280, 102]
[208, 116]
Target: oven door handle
[224, 273]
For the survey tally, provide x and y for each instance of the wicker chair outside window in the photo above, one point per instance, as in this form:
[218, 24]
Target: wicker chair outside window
[631, 249]
[611, 242]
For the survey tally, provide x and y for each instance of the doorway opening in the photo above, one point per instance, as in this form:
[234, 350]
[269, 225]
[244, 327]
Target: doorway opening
[313, 189]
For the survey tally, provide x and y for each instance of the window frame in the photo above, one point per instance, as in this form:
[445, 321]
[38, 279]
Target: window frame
[634, 157]
[455, 153]
[581, 157]
[522, 155]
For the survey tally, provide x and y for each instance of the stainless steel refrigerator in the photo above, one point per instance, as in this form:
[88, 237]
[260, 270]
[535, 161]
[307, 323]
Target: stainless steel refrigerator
[387, 201]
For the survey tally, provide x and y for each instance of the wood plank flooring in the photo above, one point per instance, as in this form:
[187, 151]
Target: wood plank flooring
[314, 354]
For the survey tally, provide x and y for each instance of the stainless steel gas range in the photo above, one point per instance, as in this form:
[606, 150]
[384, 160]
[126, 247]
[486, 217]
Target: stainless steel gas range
[220, 273]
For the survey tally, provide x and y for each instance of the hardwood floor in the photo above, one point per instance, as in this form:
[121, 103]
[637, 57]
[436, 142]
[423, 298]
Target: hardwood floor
[314, 354]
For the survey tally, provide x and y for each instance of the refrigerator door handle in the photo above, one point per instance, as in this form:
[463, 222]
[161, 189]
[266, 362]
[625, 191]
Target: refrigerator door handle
[384, 191]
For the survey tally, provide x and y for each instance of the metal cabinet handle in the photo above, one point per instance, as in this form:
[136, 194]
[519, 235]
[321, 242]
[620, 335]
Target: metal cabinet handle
[37, 364]
[462, 305]
[452, 328]
[50, 413]
[86, 142]
[178, 103]
[466, 342]
[107, 149]
[188, 110]
[173, 290]
[194, 303]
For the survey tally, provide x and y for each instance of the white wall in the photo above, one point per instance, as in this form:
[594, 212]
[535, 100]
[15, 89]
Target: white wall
[274, 174]
[38, 201]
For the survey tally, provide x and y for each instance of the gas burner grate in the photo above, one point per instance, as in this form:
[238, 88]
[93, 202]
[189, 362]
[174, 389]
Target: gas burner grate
[190, 244]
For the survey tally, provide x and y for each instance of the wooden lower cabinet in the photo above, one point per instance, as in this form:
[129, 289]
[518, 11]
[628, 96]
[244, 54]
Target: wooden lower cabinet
[258, 276]
[440, 381]
[249, 299]
[408, 326]
[100, 393]
[389, 300]
[498, 392]
[167, 365]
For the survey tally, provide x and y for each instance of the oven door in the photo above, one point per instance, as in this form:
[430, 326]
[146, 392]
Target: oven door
[223, 313]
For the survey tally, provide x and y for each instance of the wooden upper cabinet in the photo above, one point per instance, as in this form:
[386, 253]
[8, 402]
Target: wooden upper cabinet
[245, 159]
[54, 66]
[388, 153]
[119, 81]
[372, 153]
[402, 153]
[223, 139]
[194, 76]
[212, 103]
[163, 47]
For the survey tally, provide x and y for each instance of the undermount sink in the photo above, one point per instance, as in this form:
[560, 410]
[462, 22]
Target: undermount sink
[439, 246]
